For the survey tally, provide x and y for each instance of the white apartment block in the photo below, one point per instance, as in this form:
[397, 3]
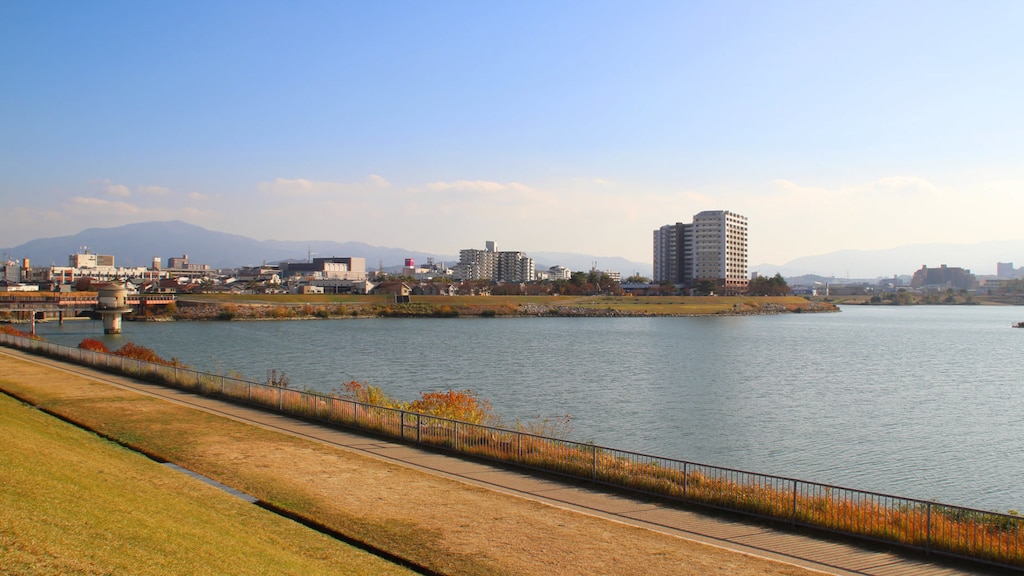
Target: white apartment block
[712, 248]
[720, 249]
[493, 265]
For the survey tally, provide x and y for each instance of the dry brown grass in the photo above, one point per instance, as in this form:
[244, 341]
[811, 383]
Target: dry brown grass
[73, 503]
[446, 525]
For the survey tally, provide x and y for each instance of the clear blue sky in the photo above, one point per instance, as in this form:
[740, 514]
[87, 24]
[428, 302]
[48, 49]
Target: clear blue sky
[545, 126]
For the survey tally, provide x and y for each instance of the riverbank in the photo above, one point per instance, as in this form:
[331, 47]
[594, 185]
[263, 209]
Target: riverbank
[436, 522]
[288, 306]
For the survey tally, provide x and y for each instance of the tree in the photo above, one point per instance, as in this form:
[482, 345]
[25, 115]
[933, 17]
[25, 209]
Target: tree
[764, 286]
[706, 287]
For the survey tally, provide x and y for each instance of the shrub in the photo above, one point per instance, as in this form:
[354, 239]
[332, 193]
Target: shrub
[15, 332]
[277, 381]
[462, 405]
[367, 394]
[132, 350]
[445, 312]
[93, 345]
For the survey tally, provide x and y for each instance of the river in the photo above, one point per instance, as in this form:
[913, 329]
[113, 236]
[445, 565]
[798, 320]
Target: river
[920, 401]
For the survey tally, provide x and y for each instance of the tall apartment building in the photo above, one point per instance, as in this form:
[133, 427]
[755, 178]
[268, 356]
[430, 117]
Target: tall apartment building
[720, 249]
[712, 248]
[673, 245]
[490, 264]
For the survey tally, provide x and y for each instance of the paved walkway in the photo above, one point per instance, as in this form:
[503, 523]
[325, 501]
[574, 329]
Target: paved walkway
[733, 533]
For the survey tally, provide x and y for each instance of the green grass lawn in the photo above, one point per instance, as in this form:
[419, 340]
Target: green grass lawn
[74, 503]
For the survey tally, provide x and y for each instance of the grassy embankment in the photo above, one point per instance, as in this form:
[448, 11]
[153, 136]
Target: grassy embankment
[435, 522]
[72, 502]
[258, 306]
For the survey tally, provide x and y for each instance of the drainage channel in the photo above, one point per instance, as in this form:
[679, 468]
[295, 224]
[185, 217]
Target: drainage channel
[304, 521]
[212, 482]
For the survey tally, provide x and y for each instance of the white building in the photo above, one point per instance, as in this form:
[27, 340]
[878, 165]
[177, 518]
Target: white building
[711, 248]
[559, 273]
[493, 265]
[720, 249]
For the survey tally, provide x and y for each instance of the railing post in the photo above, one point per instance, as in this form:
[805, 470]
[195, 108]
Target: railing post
[418, 428]
[794, 501]
[519, 446]
[686, 478]
[593, 467]
[928, 530]
[455, 440]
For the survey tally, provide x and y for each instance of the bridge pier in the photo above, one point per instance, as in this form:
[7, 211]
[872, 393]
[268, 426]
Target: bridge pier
[111, 303]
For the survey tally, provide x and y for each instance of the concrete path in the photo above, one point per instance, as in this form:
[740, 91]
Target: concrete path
[831, 556]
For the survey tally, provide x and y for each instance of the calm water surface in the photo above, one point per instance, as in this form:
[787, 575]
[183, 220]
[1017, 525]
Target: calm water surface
[924, 402]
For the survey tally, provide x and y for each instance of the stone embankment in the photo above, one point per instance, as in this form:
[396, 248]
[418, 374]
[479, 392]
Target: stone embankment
[746, 309]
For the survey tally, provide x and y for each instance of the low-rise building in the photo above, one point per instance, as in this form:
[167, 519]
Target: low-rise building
[943, 277]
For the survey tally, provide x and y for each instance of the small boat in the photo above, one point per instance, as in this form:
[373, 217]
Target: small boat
[1018, 324]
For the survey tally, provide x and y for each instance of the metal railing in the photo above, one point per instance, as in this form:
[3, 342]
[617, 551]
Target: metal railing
[988, 537]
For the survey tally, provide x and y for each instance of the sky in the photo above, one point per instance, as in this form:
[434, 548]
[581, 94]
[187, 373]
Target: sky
[544, 126]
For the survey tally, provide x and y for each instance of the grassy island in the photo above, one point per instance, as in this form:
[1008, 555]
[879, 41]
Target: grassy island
[289, 306]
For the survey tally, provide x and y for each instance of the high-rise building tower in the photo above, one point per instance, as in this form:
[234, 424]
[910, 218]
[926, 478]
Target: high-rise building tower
[713, 248]
[720, 249]
[673, 258]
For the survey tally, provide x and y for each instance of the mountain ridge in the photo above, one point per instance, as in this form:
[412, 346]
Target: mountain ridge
[137, 244]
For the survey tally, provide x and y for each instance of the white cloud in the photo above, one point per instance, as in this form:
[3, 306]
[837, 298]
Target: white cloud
[378, 181]
[469, 185]
[81, 204]
[789, 218]
[153, 191]
[794, 220]
[303, 188]
[119, 190]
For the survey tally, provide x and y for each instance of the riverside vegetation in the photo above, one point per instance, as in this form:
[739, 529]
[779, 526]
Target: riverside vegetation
[291, 306]
[461, 422]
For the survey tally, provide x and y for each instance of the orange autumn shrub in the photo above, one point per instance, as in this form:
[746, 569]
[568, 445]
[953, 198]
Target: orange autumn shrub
[93, 345]
[132, 350]
[366, 394]
[454, 405]
[11, 330]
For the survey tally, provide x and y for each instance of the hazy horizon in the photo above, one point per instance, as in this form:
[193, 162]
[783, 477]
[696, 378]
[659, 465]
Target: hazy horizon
[576, 128]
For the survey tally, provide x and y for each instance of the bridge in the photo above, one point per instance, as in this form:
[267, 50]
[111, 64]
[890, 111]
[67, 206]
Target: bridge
[75, 301]
[32, 306]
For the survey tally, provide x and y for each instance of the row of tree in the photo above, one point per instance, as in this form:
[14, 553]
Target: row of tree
[596, 282]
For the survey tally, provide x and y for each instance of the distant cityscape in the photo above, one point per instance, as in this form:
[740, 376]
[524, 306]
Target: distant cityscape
[708, 254]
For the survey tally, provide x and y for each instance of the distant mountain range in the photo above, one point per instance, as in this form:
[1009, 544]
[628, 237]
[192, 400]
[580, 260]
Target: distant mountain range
[138, 244]
[980, 258]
